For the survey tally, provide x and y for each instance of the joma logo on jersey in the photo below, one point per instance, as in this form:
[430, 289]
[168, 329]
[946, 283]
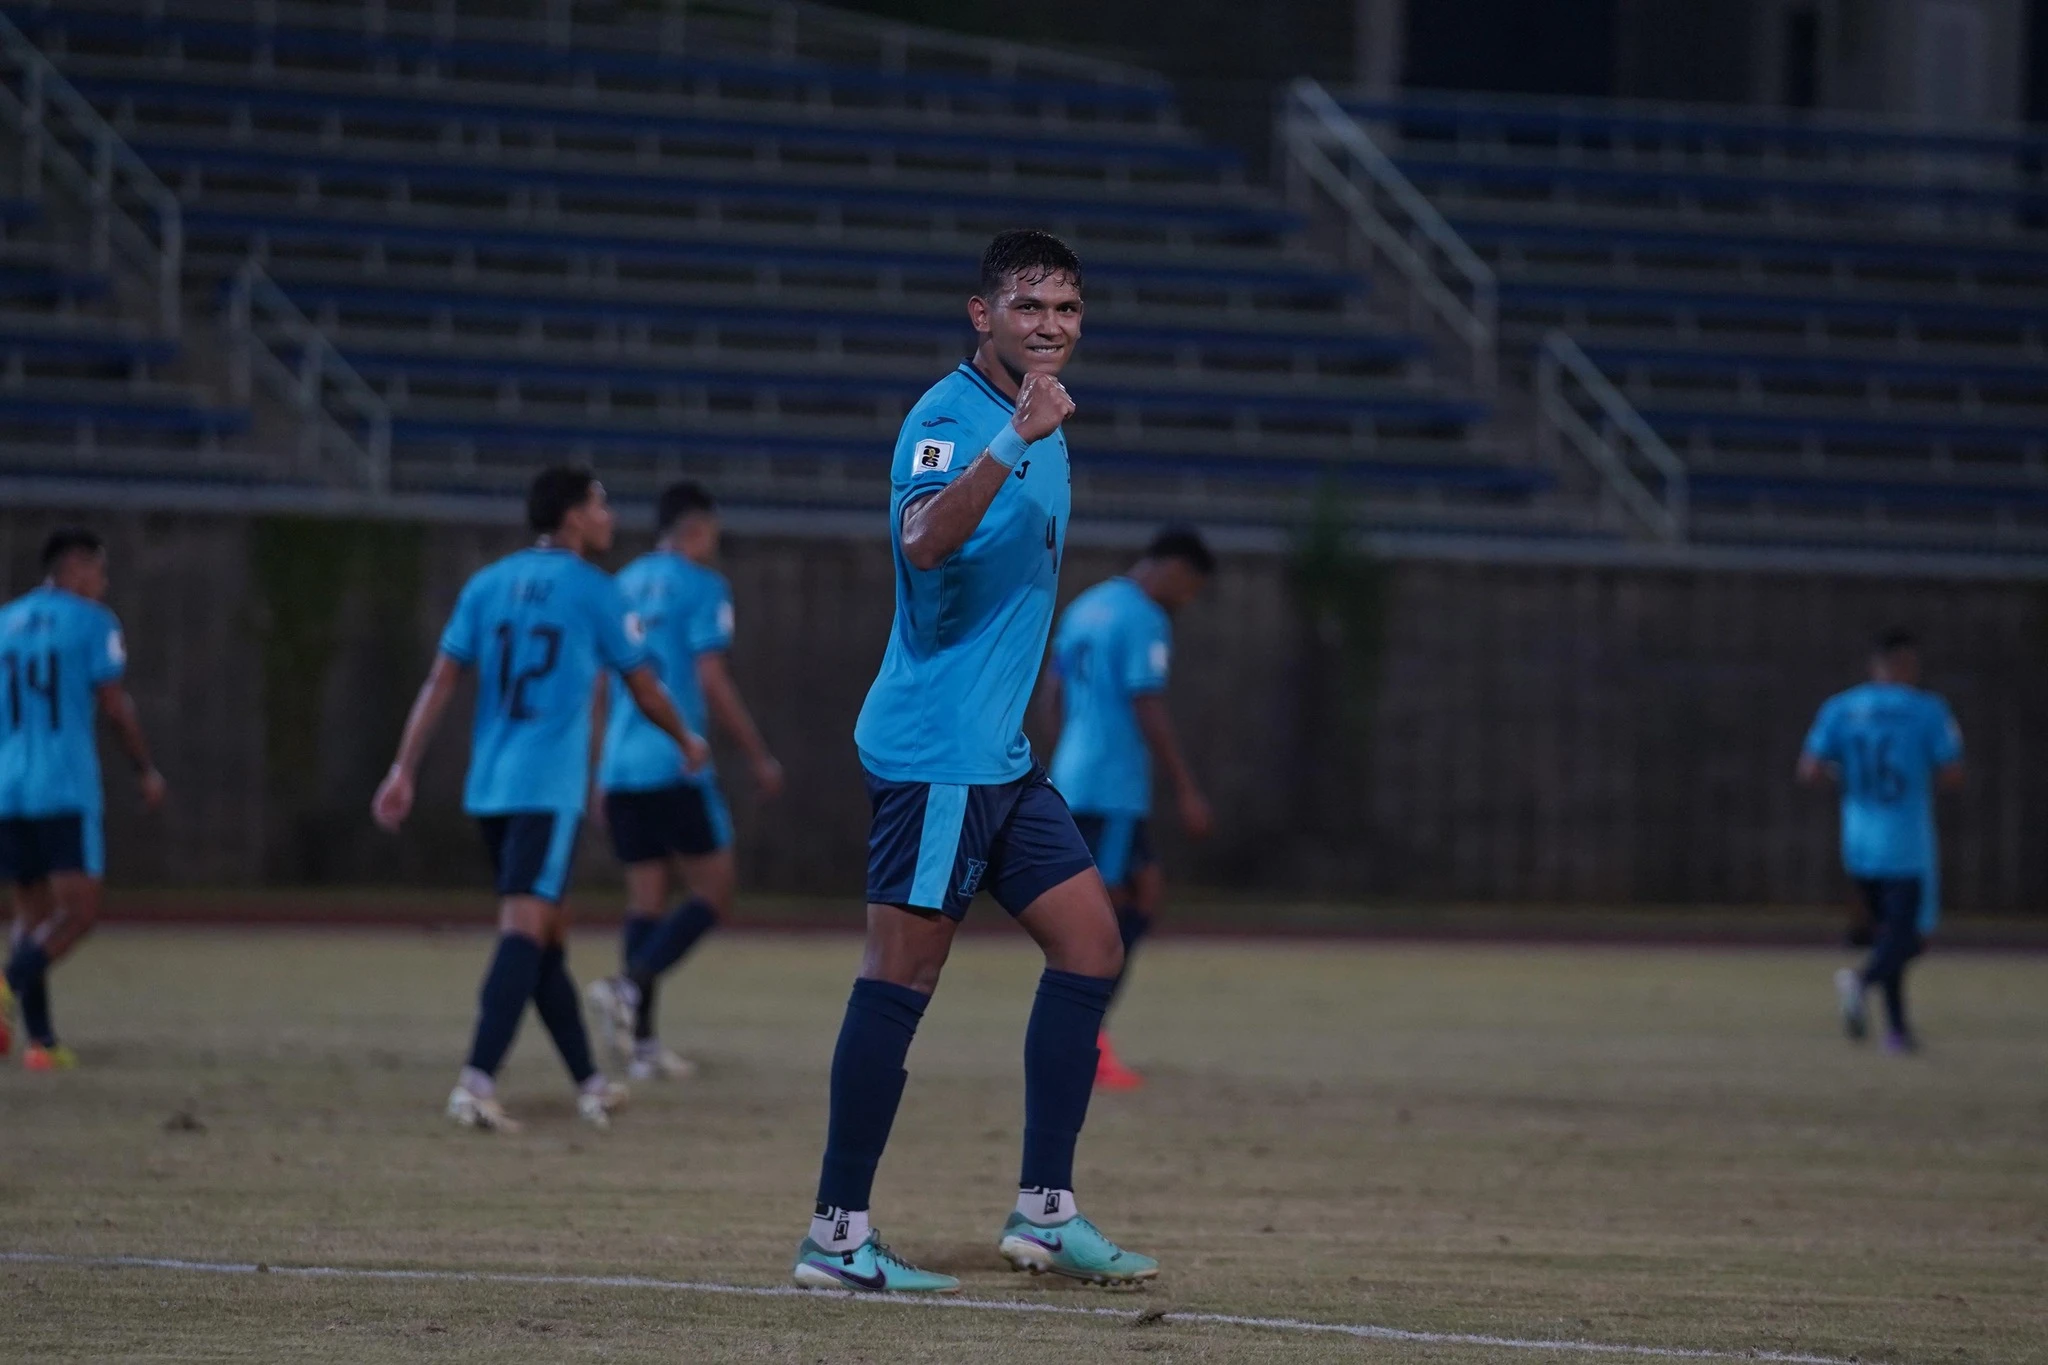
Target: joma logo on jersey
[970, 881]
[933, 457]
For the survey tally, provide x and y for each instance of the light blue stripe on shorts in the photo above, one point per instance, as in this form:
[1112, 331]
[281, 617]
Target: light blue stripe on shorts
[92, 843]
[1113, 848]
[554, 873]
[938, 846]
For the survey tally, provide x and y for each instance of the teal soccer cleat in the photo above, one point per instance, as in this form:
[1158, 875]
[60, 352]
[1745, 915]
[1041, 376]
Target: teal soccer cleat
[1076, 1249]
[870, 1268]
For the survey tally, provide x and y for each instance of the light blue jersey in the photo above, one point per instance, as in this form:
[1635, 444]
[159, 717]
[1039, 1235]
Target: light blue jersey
[56, 649]
[1888, 741]
[540, 626]
[1113, 646]
[685, 610]
[948, 705]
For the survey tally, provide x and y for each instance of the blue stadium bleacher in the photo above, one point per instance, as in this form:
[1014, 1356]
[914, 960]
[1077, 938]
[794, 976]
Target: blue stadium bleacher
[676, 246]
[1838, 325]
[83, 387]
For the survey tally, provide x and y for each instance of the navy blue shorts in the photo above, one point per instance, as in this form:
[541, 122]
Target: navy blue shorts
[33, 847]
[933, 845]
[531, 851]
[647, 826]
[1122, 844]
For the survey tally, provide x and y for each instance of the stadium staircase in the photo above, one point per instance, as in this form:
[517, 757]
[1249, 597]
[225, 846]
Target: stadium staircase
[98, 372]
[441, 242]
[1753, 329]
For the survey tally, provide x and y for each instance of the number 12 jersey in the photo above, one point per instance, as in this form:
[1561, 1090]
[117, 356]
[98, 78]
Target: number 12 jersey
[540, 627]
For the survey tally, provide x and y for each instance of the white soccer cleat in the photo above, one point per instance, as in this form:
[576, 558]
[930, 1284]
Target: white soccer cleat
[615, 1000]
[653, 1062]
[1849, 992]
[481, 1112]
[595, 1107]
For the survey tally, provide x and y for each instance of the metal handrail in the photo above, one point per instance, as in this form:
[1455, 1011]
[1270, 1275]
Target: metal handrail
[55, 122]
[1330, 149]
[1711, 122]
[310, 374]
[1664, 514]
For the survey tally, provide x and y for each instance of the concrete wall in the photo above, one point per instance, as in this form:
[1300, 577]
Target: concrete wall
[1560, 734]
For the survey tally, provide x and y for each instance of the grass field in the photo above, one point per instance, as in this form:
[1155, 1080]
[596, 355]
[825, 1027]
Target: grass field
[1655, 1147]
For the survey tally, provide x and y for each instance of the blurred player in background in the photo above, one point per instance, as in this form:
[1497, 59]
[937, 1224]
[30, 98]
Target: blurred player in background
[61, 664]
[1106, 685]
[1888, 743]
[540, 627]
[980, 491]
[666, 827]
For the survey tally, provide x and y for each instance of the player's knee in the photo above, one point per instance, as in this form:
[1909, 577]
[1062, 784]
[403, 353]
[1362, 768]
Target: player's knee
[1096, 951]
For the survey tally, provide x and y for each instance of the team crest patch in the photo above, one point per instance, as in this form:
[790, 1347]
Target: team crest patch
[933, 457]
[971, 882]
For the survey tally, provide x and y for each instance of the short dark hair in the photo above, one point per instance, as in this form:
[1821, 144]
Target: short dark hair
[1896, 641]
[555, 491]
[1029, 254]
[69, 540]
[1184, 543]
[679, 500]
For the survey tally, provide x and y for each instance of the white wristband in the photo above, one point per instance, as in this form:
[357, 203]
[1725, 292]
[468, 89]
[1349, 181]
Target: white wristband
[1008, 447]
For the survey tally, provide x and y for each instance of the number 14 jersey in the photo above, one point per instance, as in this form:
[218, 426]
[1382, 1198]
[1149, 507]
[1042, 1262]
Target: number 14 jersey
[56, 650]
[540, 627]
[1887, 742]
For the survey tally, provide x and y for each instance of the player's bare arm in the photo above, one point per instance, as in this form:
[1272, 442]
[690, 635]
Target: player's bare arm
[1814, 771]
[118, 706]
[1156, 724]
[600, 715]
[393, 801]
[1028, 331]
[658, 706]
[1052, 712]
[729, 710]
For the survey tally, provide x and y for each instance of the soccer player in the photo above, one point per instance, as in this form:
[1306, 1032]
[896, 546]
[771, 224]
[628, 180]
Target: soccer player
[61, 665]
[980, 488]
[540, 627]
[663, 824]
[1888, 743]
[1107, 682]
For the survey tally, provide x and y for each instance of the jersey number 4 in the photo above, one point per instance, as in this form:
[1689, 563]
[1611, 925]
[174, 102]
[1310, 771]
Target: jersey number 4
[512, 685]
[28, 677]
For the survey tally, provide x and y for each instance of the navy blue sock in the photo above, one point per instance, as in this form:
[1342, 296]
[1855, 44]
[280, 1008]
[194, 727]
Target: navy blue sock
[508, 985]
[639, 928]
[28, 975]
[1059, 1073]
[554, 996]
[664, 946]
[1132, 924]
[867, 1084]
[633, 934]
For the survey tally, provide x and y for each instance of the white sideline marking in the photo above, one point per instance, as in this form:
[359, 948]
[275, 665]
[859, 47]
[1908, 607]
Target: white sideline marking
[1346, 1329]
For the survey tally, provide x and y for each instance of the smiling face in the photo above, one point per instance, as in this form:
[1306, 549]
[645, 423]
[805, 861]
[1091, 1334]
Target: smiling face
[1030, 325]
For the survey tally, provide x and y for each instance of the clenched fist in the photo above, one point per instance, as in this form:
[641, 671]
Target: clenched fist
[1042, 404]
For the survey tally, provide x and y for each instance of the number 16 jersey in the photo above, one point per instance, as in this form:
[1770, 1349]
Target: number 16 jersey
[1887, 741]
[540, 627]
